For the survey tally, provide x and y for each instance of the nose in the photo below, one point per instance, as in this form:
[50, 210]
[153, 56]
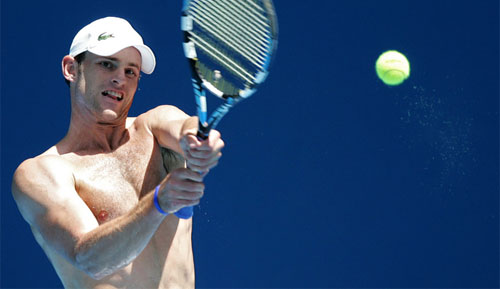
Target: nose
[118, 78]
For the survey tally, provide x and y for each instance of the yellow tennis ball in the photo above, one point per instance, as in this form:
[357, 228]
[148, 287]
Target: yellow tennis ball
[392, 67]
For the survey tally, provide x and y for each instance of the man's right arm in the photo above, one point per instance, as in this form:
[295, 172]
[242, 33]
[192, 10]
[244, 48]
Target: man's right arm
[44, 190]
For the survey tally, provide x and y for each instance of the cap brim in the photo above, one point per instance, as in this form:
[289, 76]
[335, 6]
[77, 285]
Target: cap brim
[148, 59]
[147, 56]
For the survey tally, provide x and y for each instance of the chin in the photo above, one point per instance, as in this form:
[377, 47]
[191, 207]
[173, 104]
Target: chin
[111, 117]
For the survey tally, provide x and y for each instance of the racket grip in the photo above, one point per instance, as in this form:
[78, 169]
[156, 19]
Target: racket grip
[203, 131]
[187, 212]
[184, 213]
[202, 135]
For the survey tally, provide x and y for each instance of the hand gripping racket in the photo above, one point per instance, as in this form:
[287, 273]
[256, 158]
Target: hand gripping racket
[229, 45]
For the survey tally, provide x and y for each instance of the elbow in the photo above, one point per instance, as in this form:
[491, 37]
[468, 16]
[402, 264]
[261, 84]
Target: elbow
[91, 267]
[96, 275]
[97, 267]
[95, 272]
[99, 261]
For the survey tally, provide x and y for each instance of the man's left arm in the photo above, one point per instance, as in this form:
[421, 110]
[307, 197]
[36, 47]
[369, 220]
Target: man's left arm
[176, 130]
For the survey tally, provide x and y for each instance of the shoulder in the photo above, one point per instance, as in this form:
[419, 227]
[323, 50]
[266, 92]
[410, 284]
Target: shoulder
[37, 179]
[45, 165]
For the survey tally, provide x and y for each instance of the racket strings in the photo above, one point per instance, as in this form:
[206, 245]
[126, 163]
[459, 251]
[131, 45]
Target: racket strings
[233, 39]
[221, 58]
[235, 34]
[229, 14]
[252, 26]
[233, 13]
[256, 18]
[227, 88]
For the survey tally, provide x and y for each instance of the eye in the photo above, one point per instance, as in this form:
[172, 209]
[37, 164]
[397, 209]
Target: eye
[131, 72]
[106, 64]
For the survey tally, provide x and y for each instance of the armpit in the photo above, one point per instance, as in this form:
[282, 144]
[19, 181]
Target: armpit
[172, 160]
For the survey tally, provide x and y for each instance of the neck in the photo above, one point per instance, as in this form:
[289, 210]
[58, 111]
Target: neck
[86, 134]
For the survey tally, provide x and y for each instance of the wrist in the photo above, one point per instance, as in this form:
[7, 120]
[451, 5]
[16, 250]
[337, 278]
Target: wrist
[190, 126]
[157, 203]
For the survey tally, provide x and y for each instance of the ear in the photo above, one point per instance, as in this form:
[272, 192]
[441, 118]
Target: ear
[69, 68]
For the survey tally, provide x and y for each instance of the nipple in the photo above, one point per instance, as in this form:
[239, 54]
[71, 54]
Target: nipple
[102, 216]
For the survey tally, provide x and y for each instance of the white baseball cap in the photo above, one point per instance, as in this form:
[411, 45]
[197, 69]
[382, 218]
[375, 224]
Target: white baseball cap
[107, 36]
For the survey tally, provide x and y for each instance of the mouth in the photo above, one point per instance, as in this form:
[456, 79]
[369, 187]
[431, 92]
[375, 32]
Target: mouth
[113, 95]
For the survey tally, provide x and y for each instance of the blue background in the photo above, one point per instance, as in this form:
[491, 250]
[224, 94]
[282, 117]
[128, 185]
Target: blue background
[329, 177]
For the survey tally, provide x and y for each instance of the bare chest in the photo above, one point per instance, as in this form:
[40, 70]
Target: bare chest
[111, 184]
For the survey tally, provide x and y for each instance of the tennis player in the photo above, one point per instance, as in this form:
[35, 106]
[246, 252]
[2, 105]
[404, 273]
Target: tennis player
[102, 201]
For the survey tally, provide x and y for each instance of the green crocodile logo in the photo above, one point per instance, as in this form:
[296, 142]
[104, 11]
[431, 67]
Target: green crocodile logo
[105, 36]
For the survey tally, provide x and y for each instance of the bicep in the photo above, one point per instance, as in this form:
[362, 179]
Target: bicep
[46, 196]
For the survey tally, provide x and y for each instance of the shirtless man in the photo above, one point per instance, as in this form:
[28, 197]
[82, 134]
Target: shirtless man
[90, 199]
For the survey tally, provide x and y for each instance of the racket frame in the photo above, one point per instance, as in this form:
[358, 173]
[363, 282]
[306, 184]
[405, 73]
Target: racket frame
[200, 85]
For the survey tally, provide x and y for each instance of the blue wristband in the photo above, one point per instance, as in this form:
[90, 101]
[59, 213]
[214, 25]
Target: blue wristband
[157, 204]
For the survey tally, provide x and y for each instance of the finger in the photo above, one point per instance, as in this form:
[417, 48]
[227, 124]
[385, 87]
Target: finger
[207, 150]
[203, 155]
[194, 141]
[198, 153]
[203, 170]
[178, 204]
[187, 203]
[186, 186]
[186, 195]
[204, 163]
[176, 200]
[187, 174]
[184, 190]
[214, 140]
[190, 141]
[211, 142]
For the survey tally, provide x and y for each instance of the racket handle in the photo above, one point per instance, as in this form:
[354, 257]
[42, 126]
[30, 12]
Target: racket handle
[184, 213]
[201, 136]
[203, 130]
[187, 212]
[202, 133]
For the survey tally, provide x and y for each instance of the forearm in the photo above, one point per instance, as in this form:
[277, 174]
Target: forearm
[168, 124]
[176, 139]
[115, 244]
[189, 126]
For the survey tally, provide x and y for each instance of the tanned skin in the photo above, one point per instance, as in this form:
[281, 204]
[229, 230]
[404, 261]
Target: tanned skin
[89, 198]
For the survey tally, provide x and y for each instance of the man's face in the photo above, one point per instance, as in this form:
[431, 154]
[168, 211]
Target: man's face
[105, 85]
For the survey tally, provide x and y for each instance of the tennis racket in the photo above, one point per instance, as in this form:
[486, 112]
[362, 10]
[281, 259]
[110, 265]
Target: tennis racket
[229, 45]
